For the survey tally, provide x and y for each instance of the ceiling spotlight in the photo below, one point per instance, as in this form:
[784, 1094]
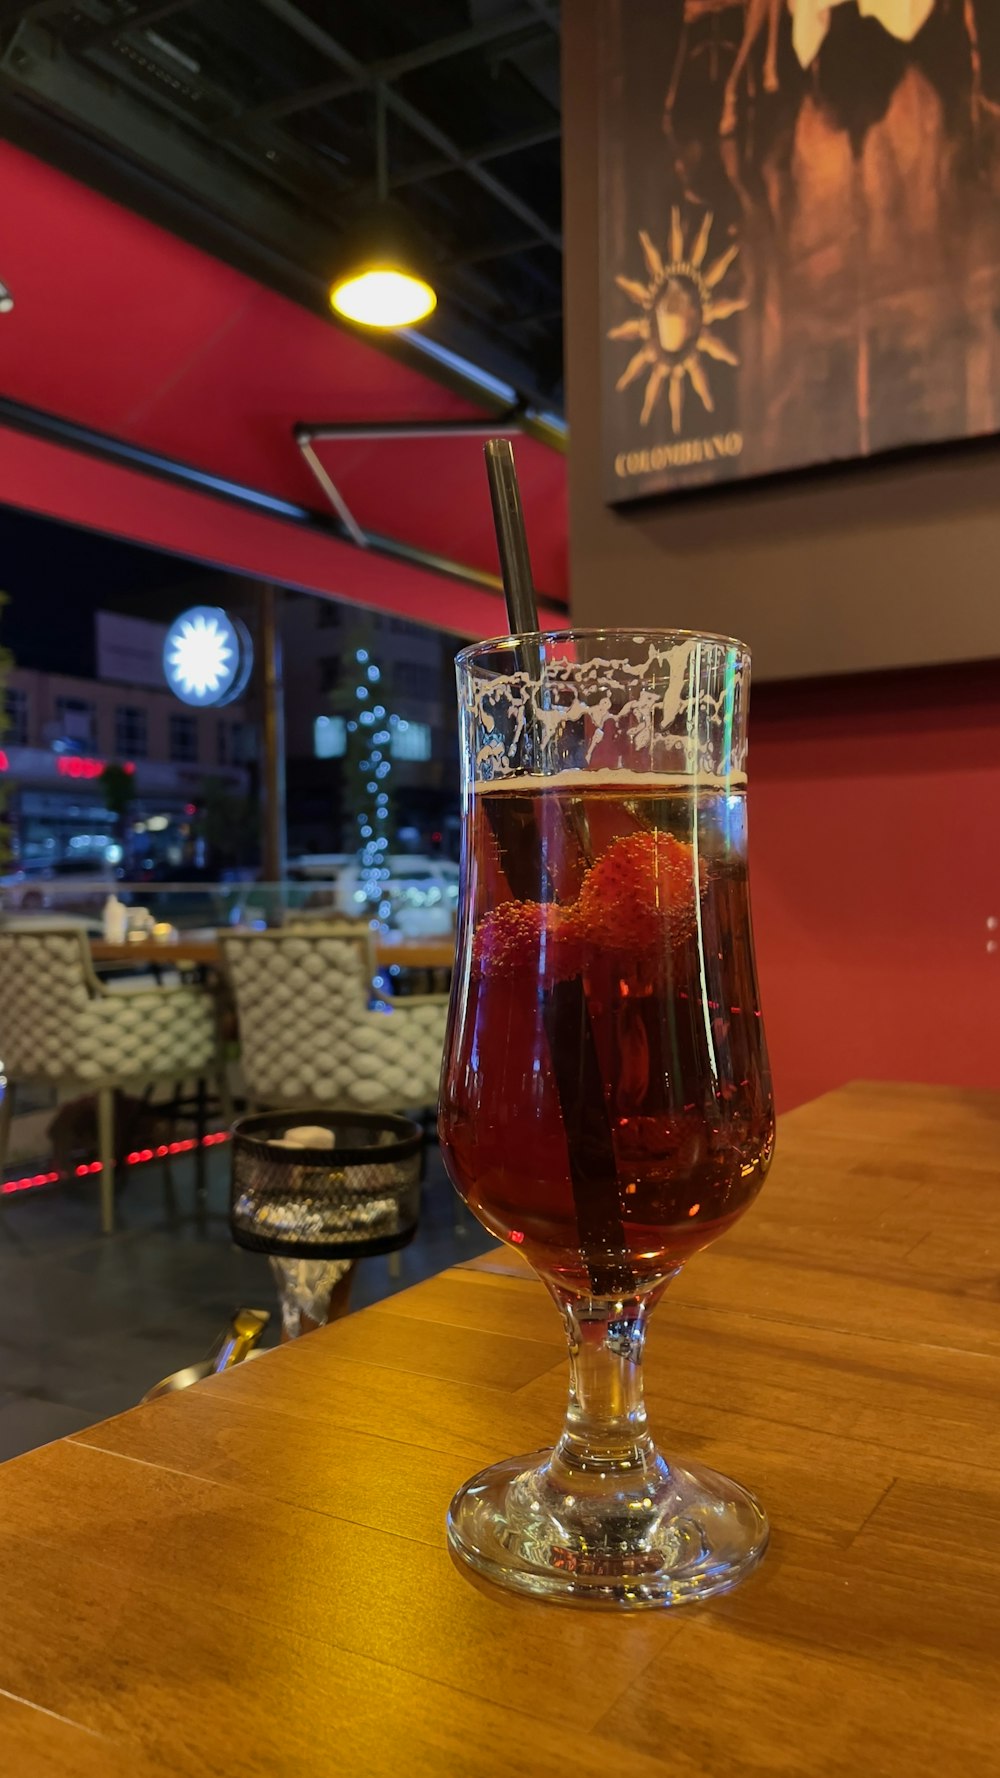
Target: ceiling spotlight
[379, 280]
[382, 295]
[6, 300]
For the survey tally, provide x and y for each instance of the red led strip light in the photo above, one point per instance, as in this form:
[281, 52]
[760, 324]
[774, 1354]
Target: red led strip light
[137, 1158]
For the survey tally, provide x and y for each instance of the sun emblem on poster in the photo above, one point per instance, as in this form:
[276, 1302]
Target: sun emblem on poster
[679, 307]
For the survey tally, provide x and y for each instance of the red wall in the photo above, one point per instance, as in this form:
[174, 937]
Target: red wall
[875, 866]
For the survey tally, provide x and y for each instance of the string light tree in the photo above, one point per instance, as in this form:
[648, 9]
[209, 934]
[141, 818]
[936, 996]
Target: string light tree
[369, 765]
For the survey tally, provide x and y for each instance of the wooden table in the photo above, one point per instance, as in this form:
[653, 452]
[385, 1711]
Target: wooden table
[423, 953]
[251, 1579]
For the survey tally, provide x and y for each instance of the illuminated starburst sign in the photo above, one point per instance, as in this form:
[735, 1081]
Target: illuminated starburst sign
[207, 656]
[679, 305]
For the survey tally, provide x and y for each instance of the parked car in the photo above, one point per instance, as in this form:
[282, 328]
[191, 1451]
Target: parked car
[74, 884]
[413, 881]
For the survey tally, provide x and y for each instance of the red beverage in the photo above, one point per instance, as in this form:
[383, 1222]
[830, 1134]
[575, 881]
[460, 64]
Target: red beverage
[607, 1103]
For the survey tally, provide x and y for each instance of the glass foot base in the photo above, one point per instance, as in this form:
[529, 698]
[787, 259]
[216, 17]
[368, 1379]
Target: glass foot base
[667, 1537]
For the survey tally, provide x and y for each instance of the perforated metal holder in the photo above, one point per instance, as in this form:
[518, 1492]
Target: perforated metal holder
[360, 1197]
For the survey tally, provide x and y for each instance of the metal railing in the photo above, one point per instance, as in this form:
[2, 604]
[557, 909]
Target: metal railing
[427, 910]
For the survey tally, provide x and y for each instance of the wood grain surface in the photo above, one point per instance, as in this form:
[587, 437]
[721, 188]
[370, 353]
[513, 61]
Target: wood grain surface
[252, 1579]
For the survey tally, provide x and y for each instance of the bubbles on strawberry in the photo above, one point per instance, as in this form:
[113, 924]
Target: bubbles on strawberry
[639, 899]
[641, 895]
[527, 937]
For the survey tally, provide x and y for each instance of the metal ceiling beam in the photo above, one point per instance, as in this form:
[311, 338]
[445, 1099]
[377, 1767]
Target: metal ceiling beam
[530, 317]
[63, 109]
[135, 21]
[106, 54]
[392, 68]
[150, 169]
[289, 152]
[504, 145]
[490, 151]
[100, 43]
[494, 250]
[271, 157]
[13, 11]
[327, 45]
[226, 189]
[72, 88]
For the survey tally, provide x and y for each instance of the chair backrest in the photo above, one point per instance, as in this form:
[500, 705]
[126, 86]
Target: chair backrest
[323, 920]
[298, 997]
[326, 922]
[46, 988]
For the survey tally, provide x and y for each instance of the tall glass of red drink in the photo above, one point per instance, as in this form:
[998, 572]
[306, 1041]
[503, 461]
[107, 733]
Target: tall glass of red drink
[606, 1102]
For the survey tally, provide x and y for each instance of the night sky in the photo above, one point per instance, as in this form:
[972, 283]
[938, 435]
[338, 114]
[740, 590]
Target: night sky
[56, 577]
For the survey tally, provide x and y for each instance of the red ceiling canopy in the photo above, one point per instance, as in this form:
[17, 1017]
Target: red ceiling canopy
[122, 328]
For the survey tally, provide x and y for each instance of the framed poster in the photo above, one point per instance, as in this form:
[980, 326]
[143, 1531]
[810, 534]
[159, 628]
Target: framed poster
[800, 234]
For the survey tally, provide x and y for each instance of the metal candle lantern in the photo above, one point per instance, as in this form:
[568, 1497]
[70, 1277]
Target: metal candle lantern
[317, 1190]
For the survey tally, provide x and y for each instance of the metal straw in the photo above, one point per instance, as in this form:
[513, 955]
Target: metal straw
[512, 538]
[575, 1061]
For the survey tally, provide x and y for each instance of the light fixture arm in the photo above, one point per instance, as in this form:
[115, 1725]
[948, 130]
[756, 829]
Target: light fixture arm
[378, 282]
[381, 147]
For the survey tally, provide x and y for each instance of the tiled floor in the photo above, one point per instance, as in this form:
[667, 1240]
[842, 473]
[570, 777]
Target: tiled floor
[88, 1324]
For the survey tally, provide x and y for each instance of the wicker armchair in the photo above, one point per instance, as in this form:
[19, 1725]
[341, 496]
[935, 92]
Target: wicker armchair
[307, 1034]
[59, 1025]
[327, 923]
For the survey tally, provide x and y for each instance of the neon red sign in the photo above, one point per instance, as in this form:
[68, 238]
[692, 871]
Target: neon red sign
[70, 765]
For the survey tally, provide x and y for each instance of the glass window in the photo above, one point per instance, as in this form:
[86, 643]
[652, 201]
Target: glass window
[183, 739]
[131, 732]
[329, 673]
[77, 720]
[329, 614]
[16, 711]
[411, 740]
[329, 737]
[242, 743]
[222, 750]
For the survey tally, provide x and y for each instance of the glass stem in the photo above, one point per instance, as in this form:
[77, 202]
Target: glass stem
[605, 1430]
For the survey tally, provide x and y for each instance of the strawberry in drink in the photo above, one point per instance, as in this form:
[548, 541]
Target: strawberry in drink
[606, 1105]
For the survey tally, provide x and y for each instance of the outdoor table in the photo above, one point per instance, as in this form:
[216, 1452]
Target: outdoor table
[204, 950]
[252, 1578]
